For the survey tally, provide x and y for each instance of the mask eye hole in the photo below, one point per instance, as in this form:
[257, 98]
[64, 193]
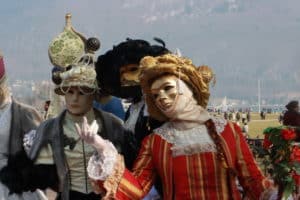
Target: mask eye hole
[133, 69]
[65, 90]
[86, 90]
[168, 87]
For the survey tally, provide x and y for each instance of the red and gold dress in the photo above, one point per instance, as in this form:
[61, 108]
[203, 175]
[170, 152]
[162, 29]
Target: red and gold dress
[189, 166]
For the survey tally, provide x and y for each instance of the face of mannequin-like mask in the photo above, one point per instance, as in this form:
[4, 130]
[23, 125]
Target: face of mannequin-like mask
[164, 91]
[77, 102]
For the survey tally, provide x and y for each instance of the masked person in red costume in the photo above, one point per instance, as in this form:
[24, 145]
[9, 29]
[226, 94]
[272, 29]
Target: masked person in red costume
[196, 156]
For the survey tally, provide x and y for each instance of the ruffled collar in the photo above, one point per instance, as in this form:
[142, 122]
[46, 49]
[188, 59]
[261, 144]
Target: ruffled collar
[190, 141]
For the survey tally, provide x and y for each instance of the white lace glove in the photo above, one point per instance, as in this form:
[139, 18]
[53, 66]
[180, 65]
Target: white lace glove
[100, 165]
[28, 140]
[88, 133]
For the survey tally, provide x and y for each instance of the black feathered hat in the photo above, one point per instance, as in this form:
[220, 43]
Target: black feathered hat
[131, 51]
[292, 105]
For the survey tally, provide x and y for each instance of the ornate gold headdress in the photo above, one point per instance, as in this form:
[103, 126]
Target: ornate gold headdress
[207, 74]
[155, 67]
[73, 58]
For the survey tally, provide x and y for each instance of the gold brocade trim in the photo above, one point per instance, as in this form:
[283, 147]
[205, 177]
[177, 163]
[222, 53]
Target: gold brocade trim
[265, 183]
[135, 193]
[112, 182]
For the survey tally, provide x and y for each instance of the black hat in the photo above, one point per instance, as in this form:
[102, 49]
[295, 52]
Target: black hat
[128, 52]
[292, 105]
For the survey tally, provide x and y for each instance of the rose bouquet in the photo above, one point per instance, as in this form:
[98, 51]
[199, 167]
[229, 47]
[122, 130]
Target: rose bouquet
[284, 155]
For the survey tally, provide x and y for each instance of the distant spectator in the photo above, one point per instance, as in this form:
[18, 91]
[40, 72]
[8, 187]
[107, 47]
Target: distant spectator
[248, 116]
[46, 107]
[233, 116]
[245, 129]
[244, 117]
[280, 117]
[292, 116]
[263, 115]
[225, 115]
[230, 116]
[238, 116]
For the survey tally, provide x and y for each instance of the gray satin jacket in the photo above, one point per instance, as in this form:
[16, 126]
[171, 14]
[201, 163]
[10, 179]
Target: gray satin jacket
[51, 132]
[24, 119]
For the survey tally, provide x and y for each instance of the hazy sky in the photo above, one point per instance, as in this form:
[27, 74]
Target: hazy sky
[256, 39]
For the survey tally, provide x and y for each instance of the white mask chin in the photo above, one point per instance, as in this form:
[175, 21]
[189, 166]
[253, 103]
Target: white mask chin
[183, 101]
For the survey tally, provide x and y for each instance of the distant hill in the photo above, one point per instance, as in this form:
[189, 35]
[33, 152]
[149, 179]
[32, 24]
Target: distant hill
[242, 40]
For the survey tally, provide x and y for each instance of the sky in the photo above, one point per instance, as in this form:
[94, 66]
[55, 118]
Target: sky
[242, 40]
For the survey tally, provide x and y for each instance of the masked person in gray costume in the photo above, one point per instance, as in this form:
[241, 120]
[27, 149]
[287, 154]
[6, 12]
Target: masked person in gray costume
[16, 119]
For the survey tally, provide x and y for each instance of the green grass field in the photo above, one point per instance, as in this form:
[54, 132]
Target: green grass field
[256, 125]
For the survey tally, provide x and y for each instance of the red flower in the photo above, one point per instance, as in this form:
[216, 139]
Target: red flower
[288, 134]
[267, 143]
[296, 178]
[295, 155]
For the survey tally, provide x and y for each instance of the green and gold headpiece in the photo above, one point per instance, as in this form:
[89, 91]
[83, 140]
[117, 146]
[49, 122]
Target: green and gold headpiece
[73, 58]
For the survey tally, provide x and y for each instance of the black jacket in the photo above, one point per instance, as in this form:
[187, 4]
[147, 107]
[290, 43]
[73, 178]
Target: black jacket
[144, 125]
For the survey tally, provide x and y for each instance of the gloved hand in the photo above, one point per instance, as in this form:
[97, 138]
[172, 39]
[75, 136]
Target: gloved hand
[101, 164]
[88, 133]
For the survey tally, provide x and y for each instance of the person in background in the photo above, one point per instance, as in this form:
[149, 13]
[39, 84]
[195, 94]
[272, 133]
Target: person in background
[245, 130]
[16, 119]
[226, 115]
[230, 116]
[248, 116]
[262, 115]
[292, 116]
[195, 156]
[280, 117]
[238, 116]
[110, 104]
[244, 117]
[46, 107]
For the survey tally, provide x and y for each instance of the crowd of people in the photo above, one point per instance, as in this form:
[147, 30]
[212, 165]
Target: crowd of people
[241, 118]
[166, 145]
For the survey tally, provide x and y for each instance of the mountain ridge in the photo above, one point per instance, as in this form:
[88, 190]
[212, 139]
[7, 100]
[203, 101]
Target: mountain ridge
[243, 41]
